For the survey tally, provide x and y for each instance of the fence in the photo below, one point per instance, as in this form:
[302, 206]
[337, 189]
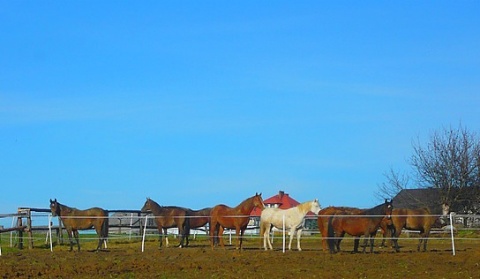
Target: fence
[131, 222]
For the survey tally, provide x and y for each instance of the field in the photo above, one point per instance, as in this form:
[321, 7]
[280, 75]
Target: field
[124, 259]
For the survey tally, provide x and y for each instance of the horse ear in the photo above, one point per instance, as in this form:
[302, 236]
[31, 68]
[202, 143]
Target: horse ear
[51, 201]
[55, 201]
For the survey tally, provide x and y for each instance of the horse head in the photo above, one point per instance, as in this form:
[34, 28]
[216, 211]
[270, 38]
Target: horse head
[388, 208]
[315, 206]
[54, 207]
[147, 206]
[258, 201]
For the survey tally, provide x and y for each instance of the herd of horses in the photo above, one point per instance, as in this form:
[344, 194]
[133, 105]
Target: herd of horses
[333, 222]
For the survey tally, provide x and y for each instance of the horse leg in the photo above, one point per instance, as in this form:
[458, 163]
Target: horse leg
[165, 234]
[420, 239]
[70, 234]
[75, 233]
[98, 229]
[365, 242]
[372, 241]
[266, 236]
[356, 243]
[331, 236]
[239, 233]
[299, 235]
[181, 235]
[160, 235]
[220, 236]
[213, 228]
[292, 234]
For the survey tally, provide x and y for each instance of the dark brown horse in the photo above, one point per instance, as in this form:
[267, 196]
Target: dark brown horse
[421, 219]
[325, 214]
[197, 219]
[167, 217]
[74, 219]
[224, 217]
[365, 224]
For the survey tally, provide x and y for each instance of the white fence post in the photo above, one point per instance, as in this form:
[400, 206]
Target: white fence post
[50, 231]
[283, 225]
[451, 232]
[144, 232]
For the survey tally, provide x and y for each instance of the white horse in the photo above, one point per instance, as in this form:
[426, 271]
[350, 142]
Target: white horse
[294, 221]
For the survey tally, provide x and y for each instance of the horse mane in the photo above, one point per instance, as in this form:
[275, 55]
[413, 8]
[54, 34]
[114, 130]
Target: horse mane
[64, 208]
[377, 210]
[305, 205]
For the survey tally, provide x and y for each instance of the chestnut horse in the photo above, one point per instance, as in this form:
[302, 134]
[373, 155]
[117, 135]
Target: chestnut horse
[74, 219]
[421, 219]
[168, 217]
[364, 224]
[292, 217]
[224, 217]
[325, 214]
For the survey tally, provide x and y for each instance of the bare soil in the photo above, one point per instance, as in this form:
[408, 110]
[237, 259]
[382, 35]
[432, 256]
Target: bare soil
[124, 259]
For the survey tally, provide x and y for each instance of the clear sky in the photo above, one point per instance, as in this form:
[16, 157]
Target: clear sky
[196, 103]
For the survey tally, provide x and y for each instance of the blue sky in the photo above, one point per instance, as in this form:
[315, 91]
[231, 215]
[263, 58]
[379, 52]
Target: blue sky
[196, 103]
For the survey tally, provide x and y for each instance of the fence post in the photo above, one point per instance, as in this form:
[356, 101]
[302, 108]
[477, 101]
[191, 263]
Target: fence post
[144, 232]
[283, 224]
[50, 231]
[20, 232]
[451, 232]
[29, 228]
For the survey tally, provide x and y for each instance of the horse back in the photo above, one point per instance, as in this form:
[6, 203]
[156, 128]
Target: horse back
[77, 219]
[170, 216]
[199, 218]
[228, 217]
[327, 212]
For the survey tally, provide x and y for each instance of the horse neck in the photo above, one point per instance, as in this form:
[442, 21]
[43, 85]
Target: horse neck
[65, 210]
[246, 206]
[304, 207]
[378, 210]
[155, 207]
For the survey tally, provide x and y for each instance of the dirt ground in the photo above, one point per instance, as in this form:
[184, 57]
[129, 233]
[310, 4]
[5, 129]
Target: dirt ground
[124, 259]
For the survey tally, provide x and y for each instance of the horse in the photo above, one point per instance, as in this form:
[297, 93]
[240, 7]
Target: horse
[224, 217]
[168, 217]
[74, 219]
[421, 219]
[364, 224]
[294, 221]
[196, 219]
[323, 217]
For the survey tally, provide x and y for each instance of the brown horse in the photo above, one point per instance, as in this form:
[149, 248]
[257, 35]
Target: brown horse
[74, 219]
[168, 217]
[365, 224]
[197, 219]
[224, 217]
[325, 214]
[421, 219]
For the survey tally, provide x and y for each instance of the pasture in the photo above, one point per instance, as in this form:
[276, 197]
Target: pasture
[124, 259]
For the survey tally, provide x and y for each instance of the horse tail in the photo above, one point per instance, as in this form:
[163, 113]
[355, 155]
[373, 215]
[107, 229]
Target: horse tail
[186, 227]
[331, 235]
[105, 228]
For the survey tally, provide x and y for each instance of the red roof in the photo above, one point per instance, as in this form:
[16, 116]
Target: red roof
[283, 200]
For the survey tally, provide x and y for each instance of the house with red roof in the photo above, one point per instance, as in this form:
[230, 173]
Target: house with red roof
[281, 200]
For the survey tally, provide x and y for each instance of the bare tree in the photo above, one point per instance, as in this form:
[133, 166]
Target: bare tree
[450, 162]
[395, 182]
